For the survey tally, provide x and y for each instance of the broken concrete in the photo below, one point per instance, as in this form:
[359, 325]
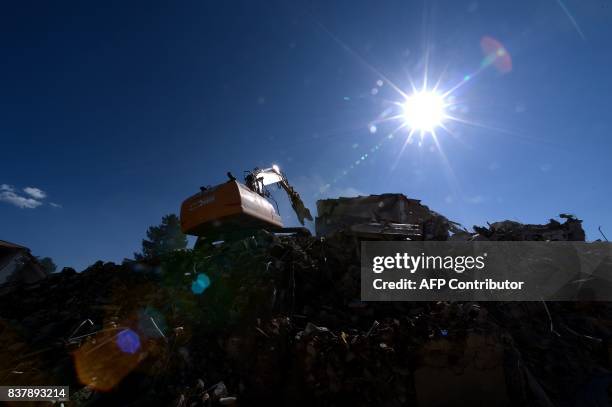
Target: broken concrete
[570, 230]
[387, 216]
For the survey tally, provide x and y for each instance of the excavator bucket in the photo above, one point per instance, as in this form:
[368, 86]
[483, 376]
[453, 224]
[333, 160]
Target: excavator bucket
[216, 212]
[258, 179]
[298, 206]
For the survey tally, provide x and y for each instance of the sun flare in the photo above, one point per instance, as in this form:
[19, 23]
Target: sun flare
[424, 111]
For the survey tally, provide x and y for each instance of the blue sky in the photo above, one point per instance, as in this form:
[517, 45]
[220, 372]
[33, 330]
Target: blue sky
[117, 111]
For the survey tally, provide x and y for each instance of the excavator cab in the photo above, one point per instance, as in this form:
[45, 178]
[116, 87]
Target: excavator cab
[234, 209]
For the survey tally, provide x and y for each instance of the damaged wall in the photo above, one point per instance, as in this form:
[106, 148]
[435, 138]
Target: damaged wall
[569, 231]
[18, 265]
[379, 216]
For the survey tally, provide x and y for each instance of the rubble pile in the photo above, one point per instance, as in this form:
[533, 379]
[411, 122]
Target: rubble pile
[382, 217]
[278, 320]
[570, 230]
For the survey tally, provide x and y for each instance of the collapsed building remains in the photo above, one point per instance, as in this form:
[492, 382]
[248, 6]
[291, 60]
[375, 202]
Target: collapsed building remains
[17, 265]
[385, 217]
[570, 230]
[278, 320]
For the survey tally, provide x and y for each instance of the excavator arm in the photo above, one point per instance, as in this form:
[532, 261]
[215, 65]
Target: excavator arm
[258, 179]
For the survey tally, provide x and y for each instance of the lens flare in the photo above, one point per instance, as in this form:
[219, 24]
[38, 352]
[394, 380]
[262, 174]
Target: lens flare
[200, 284]
[128, 341]
[495, 54]
[103, 362]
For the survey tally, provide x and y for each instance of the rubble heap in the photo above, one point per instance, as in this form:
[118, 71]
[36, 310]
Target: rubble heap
[277, 321]
[570, 230]
[382, 217]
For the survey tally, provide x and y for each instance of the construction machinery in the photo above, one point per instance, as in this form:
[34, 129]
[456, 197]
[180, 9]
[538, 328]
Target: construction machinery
[234, 209]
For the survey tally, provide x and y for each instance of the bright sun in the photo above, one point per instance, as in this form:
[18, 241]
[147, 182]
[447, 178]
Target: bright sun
[424, 111]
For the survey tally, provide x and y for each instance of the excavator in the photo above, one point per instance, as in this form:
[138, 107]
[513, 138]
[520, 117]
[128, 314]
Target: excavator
[234, 210]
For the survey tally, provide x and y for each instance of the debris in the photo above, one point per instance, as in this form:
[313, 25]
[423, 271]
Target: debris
[385, 217]
[74, 336]
[373, 328]
[312, 328]
[157, 328]
[571, 230]
[281, 323]
[219, 390]
[602, 234]
[17, 265]
[552, 326]
[470, 371]
[227, 401]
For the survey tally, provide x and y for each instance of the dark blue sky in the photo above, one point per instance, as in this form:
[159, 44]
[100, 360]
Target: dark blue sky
[117, 111]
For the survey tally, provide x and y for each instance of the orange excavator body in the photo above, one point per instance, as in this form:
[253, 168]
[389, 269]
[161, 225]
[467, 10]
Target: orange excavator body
[225, 208]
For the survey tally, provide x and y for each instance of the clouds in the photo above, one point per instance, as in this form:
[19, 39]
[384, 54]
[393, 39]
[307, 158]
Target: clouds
[31, 198]
[35, 192]
[8, 195]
